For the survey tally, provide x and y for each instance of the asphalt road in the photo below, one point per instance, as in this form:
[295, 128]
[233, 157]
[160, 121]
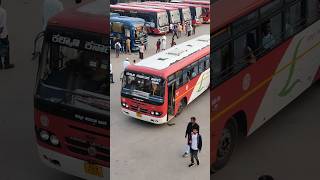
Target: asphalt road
[18, 152]
[143, 151]
[287, 147]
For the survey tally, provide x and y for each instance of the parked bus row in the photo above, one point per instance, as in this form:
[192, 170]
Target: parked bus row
[159, 15]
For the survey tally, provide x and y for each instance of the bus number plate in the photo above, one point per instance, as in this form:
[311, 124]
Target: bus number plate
[93, 169]
[139, 115]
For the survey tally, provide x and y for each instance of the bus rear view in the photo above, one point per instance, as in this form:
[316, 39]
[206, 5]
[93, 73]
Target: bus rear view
[72, 93]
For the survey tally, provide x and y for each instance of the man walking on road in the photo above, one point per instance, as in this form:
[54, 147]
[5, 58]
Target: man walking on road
[163, 43]
[117, 48]
[4, 40]
[50, 8]
[125, 63]
[141, 51]
[191, 125]
[195, 146]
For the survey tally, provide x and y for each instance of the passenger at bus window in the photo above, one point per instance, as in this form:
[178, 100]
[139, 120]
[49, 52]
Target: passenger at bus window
[155, 89]
[250, 48]
[268, 40]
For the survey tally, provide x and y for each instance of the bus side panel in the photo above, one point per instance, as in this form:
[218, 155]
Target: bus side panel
[295, 73]
[242, 93]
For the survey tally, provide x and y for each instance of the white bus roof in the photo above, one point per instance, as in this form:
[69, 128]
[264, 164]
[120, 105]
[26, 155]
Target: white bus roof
[174, 54]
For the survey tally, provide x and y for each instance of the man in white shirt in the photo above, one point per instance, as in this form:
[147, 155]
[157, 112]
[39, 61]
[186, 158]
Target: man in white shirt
[125, 63]
[50, 9]
[111, 74]
[195, 146]
[4, 40]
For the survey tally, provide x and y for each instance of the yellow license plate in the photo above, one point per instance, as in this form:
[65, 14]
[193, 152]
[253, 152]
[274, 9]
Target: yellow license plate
[93, 169]
[139, 115]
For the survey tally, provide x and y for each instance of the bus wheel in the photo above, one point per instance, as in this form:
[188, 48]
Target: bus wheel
[226, 145]
[183, 104]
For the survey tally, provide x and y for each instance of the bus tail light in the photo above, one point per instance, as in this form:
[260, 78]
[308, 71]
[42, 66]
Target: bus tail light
[54, 140]
[44, 121]
[44, 135]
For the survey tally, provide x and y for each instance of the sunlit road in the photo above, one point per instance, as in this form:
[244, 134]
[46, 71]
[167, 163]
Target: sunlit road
[18, 153]
[287, 147]
[143, 151]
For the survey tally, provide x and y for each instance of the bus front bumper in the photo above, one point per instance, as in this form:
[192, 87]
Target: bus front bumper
[143, 117]
[69, 165]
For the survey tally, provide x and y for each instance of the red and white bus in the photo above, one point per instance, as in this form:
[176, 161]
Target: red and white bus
[173, 12]
[264, 54]
[157, 21]
[158, 88]
[205, 7]
[185, 12]
[196, 2]
[71, 101]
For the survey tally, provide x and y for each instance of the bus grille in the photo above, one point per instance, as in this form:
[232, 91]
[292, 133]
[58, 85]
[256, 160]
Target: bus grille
[81, 147]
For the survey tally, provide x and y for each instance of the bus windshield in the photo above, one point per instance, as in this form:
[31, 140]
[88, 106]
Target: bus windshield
[163, 19]
[143, 86]
[175, 14]
[186, 14]
[74, 76]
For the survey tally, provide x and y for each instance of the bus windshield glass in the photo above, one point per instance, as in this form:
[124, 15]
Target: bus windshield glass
[163, 19]
[186, 14]
[175, 16]
[74, 76]
[143, 86]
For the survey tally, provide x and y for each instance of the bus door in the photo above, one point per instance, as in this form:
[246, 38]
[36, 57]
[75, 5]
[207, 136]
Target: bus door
[171, 98]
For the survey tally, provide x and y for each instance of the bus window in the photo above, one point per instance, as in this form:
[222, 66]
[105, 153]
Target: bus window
[245, 22]
[270, 8]
[207, 62]
[313, 10]
[194, 70]
[271, 32]
[201, 66]
[294, 18]
[221, 64]
[179, 82]
[244, 49]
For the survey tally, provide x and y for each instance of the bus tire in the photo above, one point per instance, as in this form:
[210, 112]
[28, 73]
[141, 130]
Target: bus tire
[183, 104]
[226, 145]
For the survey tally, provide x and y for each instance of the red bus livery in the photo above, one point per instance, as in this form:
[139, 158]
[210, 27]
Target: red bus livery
[71, 100]
[264, 54]
[157, 21]
[159, 87]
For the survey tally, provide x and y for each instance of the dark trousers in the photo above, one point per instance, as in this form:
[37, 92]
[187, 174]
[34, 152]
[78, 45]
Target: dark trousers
[194, 155]
[141, 55]
[4, 51]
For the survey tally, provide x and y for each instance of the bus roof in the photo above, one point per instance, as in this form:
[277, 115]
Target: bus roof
[235, 10]
[91, 16]
[127, 20]
[167, 4]
[150, 6]
[173, 58]
[136, 8]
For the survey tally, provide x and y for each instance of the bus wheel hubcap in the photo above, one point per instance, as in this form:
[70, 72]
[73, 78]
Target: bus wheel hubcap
[225, 144]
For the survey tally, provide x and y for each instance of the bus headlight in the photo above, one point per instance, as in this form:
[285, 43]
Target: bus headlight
[54, 140]
[44, 135]
[152, 112]
[125, 105]
[157, 113]
[44, 121]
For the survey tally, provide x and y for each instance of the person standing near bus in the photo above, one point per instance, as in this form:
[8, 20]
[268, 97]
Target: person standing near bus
[191, 125]
[175, 31]
[194, 29]
[158, 44]
[141, 50]
[117, 48]
[128, 45]
[163, 43]
[180, 29]
[195, 146]
[111, 74]
[4, 40]
[50, 8]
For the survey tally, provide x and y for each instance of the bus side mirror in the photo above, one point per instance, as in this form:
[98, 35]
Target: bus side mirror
[37, 44]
